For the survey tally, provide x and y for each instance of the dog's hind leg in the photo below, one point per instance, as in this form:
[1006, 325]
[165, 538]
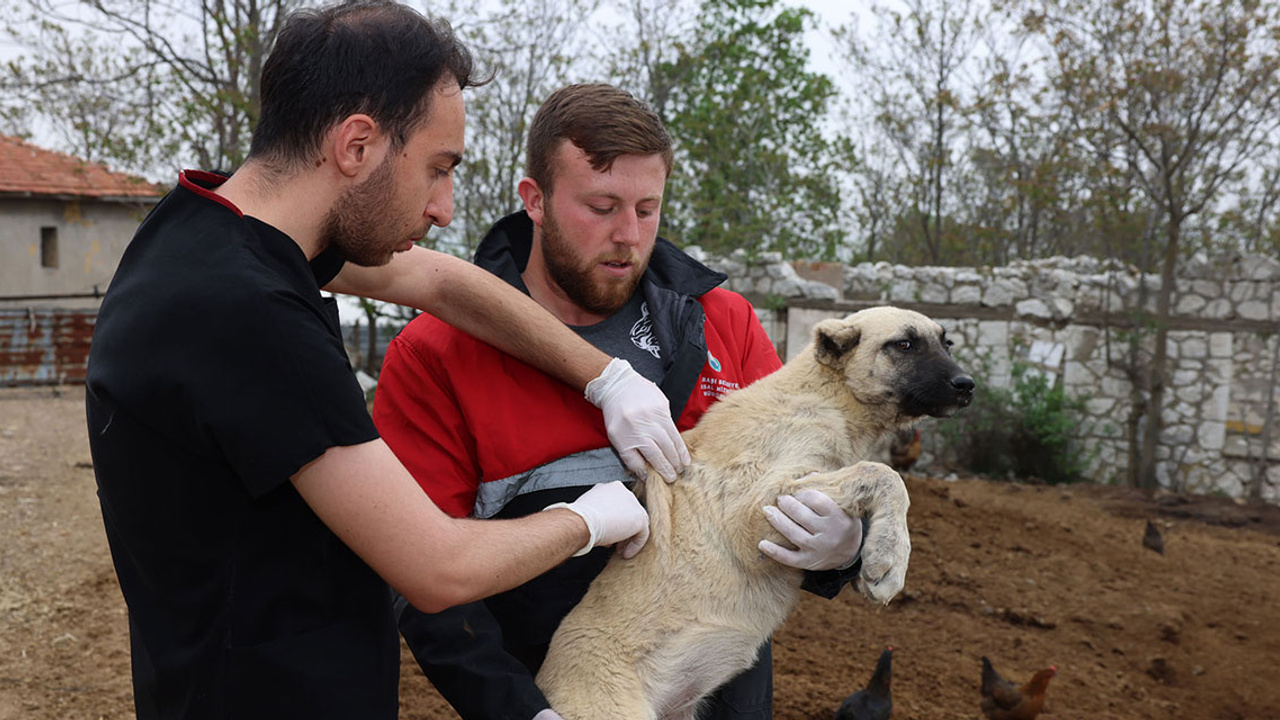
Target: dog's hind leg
[590, 680]
[587, 699]
[692, 662]
[875, 491]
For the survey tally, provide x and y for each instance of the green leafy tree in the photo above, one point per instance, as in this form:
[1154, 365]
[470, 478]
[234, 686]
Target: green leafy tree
[754, 169]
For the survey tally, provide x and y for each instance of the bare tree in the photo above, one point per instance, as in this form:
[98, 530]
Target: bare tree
[1191, 88]
[531, 49]
[1252, 222]
[911, 73]
[636, 48]
[148, 85]
[1030, 179]
[875, 203]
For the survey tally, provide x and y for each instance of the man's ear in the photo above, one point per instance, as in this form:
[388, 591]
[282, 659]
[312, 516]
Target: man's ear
[834, 339]
[533, 197]
[354, 143]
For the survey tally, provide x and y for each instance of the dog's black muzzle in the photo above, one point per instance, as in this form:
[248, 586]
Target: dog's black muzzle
[963, 386]
[937, 387]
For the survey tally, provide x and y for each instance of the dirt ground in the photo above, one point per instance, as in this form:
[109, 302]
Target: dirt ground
[1027, 575]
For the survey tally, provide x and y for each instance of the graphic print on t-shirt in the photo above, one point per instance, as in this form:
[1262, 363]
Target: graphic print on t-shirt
[642, 332]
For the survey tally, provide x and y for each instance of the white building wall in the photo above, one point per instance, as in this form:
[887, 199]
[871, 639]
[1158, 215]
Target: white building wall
[91, 237]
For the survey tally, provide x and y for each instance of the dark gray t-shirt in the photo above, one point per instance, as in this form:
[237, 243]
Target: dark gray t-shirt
[628, 334]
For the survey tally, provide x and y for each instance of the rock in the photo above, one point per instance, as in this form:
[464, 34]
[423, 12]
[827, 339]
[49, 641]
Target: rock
[1161, 670]
[1033, 308]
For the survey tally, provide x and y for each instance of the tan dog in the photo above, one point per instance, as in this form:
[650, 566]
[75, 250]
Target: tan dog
[657, 633]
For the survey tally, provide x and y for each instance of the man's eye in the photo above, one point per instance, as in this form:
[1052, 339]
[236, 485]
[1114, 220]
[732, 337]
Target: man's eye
[600, 210]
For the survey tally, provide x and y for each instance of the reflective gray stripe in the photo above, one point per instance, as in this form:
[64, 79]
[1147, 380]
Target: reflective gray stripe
[579, 470]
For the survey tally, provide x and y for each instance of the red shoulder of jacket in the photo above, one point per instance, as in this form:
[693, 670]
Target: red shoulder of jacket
[721, 300]
[739, 352]
[428, 331]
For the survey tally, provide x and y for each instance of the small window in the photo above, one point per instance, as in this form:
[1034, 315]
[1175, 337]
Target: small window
[49, 247]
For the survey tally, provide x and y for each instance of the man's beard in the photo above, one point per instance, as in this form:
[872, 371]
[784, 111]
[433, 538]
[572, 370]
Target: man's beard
[576, 277]
[361, 224]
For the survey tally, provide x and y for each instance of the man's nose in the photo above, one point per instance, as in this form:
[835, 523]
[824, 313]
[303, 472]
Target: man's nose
[439, 211]
[627, 230]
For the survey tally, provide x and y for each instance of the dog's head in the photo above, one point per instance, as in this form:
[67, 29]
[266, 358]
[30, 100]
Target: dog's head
[894, 357]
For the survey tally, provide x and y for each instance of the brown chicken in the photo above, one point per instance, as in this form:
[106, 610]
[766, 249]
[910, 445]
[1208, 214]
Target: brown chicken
[1002, 700]
[904, 449]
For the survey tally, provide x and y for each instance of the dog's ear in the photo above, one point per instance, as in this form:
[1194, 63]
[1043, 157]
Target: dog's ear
[834, 339]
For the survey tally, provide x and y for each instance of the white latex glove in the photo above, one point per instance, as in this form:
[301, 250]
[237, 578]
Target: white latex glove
[638, 418]
[612, 514]
[548, 714]
[823, 533]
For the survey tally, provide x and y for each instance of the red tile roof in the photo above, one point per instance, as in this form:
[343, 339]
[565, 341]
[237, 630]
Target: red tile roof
[32, 171]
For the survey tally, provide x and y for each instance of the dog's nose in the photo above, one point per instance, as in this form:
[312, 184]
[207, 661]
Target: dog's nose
[962, 383]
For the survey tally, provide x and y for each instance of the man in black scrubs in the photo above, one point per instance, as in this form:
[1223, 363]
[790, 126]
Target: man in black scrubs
[254, 516]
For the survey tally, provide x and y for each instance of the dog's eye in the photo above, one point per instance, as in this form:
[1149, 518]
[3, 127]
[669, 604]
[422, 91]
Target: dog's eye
[903, 345]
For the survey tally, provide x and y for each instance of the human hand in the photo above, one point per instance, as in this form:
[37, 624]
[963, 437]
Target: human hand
[825, 536]
[548, 714]
[637, 417]
[612, 514]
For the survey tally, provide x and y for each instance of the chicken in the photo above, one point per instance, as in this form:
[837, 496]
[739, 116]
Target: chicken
[904, 449]
[874, 702]
[1151, 540]
[1001, 700]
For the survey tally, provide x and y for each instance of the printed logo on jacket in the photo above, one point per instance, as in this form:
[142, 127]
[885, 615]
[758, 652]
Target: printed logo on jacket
[714, 387]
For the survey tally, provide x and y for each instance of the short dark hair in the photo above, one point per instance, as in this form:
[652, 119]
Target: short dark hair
[601, 120]
[373, 56]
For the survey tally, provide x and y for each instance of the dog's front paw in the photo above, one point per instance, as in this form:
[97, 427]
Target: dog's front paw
[885, 554]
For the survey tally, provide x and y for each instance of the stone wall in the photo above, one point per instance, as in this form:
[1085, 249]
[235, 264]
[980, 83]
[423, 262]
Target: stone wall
[1071, 318]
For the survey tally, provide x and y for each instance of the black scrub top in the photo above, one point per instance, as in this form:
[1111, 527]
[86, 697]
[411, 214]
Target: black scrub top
[216, 371]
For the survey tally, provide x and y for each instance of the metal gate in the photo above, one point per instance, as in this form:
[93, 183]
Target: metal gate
[44, 347]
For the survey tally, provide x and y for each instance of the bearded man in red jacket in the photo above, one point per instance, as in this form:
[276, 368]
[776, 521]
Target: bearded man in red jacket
[488, 436]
